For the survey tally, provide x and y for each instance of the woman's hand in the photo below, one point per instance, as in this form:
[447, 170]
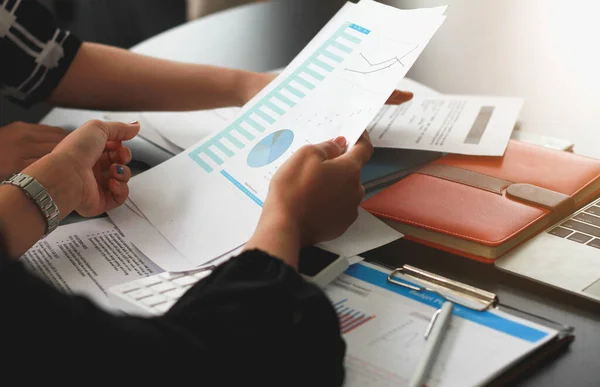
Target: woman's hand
[22, 144]
[313, 197]
[255, 82]
[86, 172]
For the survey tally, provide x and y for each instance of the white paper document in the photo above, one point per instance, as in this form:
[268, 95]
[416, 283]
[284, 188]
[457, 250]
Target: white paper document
[87, 258]
[383, 325]
[366, 233]
[147, 130]
[185, 129]
[473, 125]
[140, 232]
[207, 200]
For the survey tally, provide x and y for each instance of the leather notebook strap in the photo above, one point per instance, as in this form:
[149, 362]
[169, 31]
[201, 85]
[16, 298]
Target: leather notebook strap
[560, 204]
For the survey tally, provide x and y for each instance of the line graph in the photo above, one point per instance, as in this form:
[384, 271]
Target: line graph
[376, 66]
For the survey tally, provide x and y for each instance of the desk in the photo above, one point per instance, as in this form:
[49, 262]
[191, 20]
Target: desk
[268, 35]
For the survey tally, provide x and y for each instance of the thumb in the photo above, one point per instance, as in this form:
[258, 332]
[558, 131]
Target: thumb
[331, 149]
[88, 142]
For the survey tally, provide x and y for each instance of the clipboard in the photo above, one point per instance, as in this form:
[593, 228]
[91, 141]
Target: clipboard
[481, 300]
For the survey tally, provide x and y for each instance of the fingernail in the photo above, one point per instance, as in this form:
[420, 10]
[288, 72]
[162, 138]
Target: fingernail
[341, 141]
[134, 122]
[120, 170]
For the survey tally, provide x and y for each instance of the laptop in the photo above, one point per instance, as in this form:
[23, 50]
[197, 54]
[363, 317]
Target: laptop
[565, 256]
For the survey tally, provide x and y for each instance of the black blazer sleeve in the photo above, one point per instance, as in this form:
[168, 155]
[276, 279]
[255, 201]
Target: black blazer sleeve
[254, 321]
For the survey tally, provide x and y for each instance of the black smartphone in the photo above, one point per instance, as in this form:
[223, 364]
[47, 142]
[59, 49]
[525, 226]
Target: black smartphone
[320, 266]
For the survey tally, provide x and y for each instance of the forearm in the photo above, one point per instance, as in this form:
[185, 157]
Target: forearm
[21, 221]
[277, 236]
[110, 78]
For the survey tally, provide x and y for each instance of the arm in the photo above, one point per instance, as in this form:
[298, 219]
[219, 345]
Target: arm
[59, 68]
[110, 78]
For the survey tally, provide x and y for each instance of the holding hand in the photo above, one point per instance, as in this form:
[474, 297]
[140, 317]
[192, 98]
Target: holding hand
[22, 144]
[313, 197]
[86, 172]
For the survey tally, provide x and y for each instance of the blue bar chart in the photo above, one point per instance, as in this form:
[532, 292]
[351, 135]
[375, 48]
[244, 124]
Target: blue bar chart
[212, 154]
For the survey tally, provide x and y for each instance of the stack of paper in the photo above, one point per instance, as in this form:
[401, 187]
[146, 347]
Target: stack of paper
[205, 202]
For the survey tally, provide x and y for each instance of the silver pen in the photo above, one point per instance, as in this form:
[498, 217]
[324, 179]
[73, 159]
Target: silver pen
[433, 337]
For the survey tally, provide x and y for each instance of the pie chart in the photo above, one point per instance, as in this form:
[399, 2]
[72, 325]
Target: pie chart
[270, 148]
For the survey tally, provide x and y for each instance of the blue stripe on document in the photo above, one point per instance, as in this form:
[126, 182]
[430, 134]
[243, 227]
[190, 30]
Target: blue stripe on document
[488, 319]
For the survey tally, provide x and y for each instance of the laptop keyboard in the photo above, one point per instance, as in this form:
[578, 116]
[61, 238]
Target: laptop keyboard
[584, 227]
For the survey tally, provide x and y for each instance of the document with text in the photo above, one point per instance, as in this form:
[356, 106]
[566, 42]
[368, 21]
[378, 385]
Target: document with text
[472, 125]
[207, 200]
[383, 325]
[87, 258]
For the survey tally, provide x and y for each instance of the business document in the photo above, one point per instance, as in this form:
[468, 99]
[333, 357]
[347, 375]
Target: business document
[473, 125]
[87, 258]
[207, 200]
[383, 325]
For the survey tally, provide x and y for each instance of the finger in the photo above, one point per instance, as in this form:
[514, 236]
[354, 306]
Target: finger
[119, 172]
[366, 136]
[113, 130]
[331, 149]
[397, 97]
[104, 161]
[118, 192]
[361, 152]
[120, 156]
[113, 145]
[88, 142]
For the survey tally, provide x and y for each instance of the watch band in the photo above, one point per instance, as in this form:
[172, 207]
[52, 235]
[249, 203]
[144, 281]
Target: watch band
[38, 194]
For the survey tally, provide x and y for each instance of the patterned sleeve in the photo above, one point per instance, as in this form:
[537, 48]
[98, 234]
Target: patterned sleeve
[34, 53]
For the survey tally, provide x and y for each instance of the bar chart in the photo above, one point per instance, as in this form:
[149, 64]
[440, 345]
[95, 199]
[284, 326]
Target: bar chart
[350, 318]
[256, 120]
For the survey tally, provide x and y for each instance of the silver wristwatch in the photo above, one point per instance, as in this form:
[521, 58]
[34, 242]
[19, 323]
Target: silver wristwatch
[36, 192]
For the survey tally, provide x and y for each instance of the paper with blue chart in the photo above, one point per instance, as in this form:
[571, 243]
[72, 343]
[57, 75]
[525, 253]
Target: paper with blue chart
[207, 200]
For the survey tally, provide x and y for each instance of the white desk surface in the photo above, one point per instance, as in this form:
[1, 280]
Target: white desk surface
[544, 51]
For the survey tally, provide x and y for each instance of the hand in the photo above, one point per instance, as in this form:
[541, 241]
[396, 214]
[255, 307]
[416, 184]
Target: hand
[86, 172]
[255, 82]
[21, 144]
[313, 197]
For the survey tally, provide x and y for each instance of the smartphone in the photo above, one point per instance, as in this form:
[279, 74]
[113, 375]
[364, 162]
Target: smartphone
[320, 266]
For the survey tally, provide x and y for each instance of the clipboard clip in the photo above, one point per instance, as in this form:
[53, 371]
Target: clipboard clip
[453, 291]
[461, 294]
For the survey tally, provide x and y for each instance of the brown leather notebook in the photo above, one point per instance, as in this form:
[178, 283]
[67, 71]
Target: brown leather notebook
[480, 206]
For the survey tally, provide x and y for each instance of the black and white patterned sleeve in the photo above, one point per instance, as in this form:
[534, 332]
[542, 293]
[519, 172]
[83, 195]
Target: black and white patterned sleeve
[34, 53]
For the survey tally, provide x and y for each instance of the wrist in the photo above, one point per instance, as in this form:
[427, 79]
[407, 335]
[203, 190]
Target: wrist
[59, 177]
[31, 225]
[278, 235]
